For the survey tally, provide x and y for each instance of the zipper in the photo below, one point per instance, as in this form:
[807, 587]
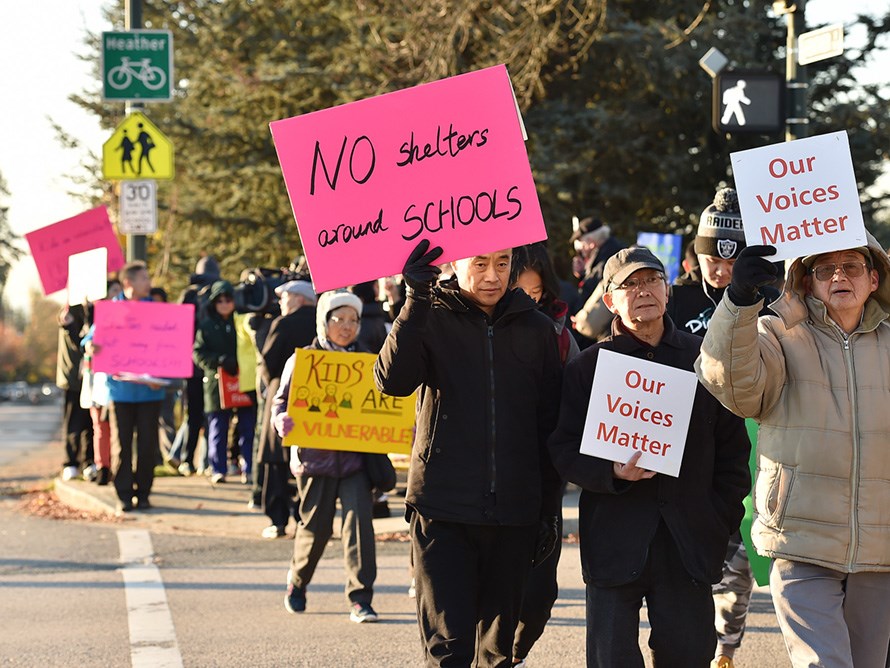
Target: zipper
[493, 434]
[854, 469]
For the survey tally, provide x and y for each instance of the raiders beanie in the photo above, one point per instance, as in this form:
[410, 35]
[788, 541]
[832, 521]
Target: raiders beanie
[720, 232]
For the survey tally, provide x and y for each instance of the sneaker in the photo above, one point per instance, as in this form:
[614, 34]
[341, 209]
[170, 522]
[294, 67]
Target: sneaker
[273, 531]
[124, 506]
[143, 504]
[103, 477]
[519, 664]
[173, 463]
[295, 600]
[361, 613]
[245, 478]
[70, 473]
[218, 478]
[412, 589]
[722, 661]
[185, 469]
[90, 473]
[254, 504]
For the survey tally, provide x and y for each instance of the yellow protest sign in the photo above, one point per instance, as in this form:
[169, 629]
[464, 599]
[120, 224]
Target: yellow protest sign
[137, 150]
[335, 406]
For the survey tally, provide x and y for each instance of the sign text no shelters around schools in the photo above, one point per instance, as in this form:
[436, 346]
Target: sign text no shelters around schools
[800, 196]
[638, 406]
[444, 161]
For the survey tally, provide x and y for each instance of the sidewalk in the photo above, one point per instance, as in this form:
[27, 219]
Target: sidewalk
[194, 505]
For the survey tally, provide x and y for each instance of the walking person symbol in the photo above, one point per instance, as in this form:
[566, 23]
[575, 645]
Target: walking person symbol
[733, 99]
[146, 142]
[126, 148]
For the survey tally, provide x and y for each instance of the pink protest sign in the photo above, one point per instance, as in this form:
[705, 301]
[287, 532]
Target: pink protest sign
[52, 245]
[443, 161]
[152, 338]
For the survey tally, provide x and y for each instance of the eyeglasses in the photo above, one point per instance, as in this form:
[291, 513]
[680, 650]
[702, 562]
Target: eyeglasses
[345, 322]
[636, 284]
[825, 272]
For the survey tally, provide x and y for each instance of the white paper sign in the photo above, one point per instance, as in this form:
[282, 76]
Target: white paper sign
[638, 406]
[800, 196]
[87, 277]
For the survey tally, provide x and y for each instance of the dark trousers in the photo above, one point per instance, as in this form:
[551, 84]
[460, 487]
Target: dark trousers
[541, 592]
[77, 425]
[469, 581]
[681, 615]
[141, 418]
[277, 493]
[194, 407]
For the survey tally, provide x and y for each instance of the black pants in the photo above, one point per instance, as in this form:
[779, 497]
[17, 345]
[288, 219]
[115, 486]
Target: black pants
[469, 582]
[277, 493]
[127, 417]
[194, 397]
[541, 592]
[681, 615]
[77, 425]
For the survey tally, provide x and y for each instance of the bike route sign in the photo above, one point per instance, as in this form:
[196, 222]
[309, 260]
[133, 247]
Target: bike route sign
[137, 65]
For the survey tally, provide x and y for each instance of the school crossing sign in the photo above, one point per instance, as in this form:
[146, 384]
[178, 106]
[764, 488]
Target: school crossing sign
[137, 150]
[137, 65]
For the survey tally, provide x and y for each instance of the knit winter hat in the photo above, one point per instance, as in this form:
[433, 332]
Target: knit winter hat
[720, 232]
[331, 301]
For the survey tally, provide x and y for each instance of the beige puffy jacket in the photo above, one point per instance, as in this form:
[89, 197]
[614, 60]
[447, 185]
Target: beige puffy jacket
[822, 399]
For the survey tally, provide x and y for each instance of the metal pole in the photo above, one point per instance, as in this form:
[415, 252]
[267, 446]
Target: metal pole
[796, 81]
[133, 21]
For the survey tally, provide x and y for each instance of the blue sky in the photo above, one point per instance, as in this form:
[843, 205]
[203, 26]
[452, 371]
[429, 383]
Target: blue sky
[39, 45]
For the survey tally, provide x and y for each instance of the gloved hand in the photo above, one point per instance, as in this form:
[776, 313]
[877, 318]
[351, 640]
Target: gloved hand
[751, 272]
[283, 423]
[548, 536]
[229, 363]
[419, 271]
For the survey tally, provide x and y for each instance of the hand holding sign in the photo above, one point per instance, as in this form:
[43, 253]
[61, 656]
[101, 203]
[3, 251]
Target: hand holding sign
[420, 273]
[751, 272]
[630, 471]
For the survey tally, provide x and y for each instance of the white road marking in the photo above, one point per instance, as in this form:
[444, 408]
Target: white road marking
[152, 636]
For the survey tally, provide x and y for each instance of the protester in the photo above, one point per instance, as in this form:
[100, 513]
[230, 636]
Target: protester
[374, 319]
[594, 245]
[206, 272]
[324, 476]
[216, 348]
[482, 495]
[135, 407]
[814, 377]
[536, 276]
[76, 424]
[719, 240]
[94, 397]
[646, 535]
[294, 328]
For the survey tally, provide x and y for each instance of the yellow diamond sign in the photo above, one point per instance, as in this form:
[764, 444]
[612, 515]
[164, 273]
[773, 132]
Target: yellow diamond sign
[137, 150]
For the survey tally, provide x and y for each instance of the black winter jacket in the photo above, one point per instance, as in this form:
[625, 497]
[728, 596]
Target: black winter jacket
[617, 518]
[487, 401]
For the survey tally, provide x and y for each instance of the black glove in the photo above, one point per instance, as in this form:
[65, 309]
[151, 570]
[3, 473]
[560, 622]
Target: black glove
[750, 273]
[419, 272]
[229, 363]
[548, 536]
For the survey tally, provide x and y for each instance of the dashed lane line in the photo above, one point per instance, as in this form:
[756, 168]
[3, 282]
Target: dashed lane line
[152, 635]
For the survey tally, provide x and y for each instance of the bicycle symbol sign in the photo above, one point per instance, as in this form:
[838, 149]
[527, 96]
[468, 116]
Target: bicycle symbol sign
[137, 65]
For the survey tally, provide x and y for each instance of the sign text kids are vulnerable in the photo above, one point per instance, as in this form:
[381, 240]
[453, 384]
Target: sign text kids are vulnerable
[444, 161]
[637, 405]
[800, 196]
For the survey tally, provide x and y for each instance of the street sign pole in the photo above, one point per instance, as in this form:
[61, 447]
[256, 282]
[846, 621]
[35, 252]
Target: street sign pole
[133, 20]
[795, 76]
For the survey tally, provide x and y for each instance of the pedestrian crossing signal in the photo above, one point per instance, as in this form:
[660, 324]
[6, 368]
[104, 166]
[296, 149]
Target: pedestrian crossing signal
[137, 150]
[748, 102]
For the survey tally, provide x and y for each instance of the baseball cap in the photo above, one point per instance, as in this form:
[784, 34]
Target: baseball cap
[297, 288]
[628, 260]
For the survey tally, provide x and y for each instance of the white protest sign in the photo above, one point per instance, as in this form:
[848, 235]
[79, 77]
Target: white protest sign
[87, 279]
[800, 196]
[638, 406]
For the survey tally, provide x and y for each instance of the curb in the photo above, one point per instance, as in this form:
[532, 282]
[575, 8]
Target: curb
[70, 495]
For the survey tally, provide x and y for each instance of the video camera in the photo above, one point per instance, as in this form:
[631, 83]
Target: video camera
[256, 291]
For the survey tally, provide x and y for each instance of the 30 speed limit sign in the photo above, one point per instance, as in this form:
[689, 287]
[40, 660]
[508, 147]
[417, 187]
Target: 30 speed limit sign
[139, 207]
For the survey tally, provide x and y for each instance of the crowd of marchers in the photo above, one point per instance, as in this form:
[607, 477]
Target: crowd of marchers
[502, 354]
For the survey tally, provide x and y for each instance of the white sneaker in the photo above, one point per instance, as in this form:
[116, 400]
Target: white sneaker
[70, 473]
[90, 473]
[272, 531]
[218, 478]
